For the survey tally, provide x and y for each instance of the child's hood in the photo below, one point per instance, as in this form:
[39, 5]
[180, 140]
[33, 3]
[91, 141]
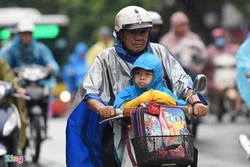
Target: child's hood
[149, 61]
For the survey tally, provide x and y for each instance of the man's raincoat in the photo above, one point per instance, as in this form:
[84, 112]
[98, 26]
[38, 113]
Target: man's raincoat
[107, 76]
[243, 67]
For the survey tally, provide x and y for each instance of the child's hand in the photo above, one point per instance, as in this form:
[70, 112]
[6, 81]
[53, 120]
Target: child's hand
[106, 111]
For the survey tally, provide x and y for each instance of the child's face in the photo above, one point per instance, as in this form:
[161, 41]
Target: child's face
[143, 77]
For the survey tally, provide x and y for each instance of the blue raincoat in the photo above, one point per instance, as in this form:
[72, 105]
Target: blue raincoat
[75, 70]
[146, 61]
[83, 139]
[17, 55]
[243, 67]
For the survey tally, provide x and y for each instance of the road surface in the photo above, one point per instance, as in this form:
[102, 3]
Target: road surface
[217, 143]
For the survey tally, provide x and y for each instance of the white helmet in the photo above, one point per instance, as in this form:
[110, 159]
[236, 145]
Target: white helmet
[156, 18]
[25, 26]
[132, 17]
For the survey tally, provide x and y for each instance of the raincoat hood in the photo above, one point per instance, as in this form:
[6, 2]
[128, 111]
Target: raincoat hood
[76, 56]
[81, 47]
[148, 61]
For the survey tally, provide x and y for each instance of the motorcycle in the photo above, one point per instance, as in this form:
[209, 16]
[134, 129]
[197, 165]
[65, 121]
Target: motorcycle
[149, 151]
[10, 125]
[224, 82]
[31, 78]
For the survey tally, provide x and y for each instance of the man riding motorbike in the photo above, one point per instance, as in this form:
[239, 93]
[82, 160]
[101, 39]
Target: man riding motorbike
[187, 47]
[108, 75]
[218, 52]
[24, 49]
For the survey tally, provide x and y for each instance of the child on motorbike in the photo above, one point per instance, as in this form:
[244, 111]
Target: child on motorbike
[147, 86]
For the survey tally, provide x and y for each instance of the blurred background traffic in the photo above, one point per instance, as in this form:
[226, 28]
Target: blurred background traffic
[62, 26]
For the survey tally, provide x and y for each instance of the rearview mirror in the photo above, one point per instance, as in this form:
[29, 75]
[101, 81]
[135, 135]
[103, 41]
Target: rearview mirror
[200, 83]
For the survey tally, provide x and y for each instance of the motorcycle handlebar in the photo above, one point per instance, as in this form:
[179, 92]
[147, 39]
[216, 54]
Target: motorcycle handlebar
[127, 111]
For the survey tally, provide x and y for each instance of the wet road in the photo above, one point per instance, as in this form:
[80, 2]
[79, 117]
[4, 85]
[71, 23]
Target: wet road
[53, 149]
[217, 143]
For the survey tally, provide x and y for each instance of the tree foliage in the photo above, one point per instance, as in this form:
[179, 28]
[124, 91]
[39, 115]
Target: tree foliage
[87, 16]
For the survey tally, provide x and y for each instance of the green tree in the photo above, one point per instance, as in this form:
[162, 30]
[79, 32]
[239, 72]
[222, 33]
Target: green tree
[87, 16]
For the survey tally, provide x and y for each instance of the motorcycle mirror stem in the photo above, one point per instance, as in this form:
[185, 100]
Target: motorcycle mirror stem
[199, 85]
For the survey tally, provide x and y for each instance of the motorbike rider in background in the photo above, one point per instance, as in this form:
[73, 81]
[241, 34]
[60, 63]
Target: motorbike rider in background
[91, 144]
[24, 49]
[105, 40]
[75, 69]
[187, 47]
[218, 47]
[156, 31]
[180, 37]
[179, 31]
[6, 74]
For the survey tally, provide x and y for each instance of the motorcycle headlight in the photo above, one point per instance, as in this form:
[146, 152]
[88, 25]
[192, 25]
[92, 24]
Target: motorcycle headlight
[65, 96]
[10, 124]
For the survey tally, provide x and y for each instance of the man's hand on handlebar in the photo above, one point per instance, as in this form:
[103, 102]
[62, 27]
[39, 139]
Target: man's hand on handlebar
[200, 109]
[106, 111]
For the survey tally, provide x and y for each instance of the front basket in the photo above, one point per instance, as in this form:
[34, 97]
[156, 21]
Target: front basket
[158, 150]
